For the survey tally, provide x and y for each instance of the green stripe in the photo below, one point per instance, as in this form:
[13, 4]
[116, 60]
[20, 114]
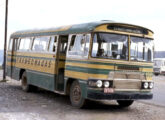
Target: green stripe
[110, 64]
[48, 74]
[91, 70]
[87, 70]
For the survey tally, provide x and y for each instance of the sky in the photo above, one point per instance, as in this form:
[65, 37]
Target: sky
[30, 14]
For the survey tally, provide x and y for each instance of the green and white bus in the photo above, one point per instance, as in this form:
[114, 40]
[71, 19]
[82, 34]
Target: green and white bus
[102, 60]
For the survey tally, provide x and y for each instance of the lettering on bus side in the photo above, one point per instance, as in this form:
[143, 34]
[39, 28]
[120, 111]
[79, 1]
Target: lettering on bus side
[34, 62]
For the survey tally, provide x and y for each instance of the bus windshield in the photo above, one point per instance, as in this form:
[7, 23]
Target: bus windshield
[141, 49]
[113, 46]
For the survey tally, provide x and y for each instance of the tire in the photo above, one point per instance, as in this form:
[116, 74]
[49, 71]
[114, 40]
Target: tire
[156, 74]
[76, 95]
[24, 84]
[125, 103]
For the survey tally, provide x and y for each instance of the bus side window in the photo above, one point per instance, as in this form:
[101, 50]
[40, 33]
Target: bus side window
[16, 43]
[24, 43]
[10, 45]
[63, 44]
[79, 45]
[86, 49]
[40, 44]
[53, 44]
[72, 42]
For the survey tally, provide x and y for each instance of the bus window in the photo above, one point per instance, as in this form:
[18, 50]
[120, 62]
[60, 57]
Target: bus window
[86, 49]
[113, 46]
[53, 44]
[16, 44]
[40, 43]
[24, 44]
[63, 44]
[10, 45]
[79, 45]
[72, 42]
[141, 49]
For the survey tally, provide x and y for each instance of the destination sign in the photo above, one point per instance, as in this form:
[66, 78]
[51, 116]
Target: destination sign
[128, 29]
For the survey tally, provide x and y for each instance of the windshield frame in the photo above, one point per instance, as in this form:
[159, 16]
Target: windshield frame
[129, 47]
[127, 36]
[152, 50]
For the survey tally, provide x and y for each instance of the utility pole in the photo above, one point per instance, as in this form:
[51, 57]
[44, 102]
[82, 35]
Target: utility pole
[5, 42]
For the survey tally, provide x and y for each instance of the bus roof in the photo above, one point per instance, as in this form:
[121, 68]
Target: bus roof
[71, 29]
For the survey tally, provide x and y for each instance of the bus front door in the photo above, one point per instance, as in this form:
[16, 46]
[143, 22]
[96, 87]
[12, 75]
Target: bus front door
[60, 62]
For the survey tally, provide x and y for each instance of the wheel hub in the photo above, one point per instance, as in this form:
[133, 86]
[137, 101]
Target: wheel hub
[76, 94]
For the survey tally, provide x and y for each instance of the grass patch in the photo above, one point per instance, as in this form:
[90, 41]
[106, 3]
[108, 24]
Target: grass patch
[0, 67]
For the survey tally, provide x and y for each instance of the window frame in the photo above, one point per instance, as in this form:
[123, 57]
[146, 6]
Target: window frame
[152, 61]
[47, 45]
[54, 36]
[30, 38]
[11, 40]
[92, 37]
[79, 56]
[15, 44]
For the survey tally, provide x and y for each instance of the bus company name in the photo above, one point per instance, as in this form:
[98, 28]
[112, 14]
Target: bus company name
[35, 62]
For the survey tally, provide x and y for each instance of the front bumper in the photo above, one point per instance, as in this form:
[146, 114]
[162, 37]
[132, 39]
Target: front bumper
[119, 96]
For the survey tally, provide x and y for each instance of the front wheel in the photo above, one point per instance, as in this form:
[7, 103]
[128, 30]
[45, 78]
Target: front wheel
[125, 103]
[76, 95]
[156, 74]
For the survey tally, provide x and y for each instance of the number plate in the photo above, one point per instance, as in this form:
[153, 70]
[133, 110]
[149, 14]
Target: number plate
[108, 90]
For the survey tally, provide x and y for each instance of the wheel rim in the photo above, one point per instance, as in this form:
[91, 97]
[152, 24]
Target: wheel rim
[76, 94]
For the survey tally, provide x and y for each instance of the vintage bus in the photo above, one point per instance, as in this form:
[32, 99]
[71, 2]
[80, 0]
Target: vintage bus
[102, 60]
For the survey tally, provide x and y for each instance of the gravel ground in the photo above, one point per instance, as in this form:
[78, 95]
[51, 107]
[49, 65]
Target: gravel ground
[43, 105]
[158, 91]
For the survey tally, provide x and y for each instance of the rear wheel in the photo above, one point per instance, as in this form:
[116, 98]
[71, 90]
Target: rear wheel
[76, 95]
[24, 84]
[125, 103]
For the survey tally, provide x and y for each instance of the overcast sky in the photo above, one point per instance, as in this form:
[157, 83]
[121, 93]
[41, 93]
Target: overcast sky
[29, 14]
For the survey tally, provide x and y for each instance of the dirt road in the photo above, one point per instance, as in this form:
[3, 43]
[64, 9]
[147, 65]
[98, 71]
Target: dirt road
[43, 105]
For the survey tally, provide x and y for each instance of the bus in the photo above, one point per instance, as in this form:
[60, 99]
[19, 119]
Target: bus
[159, 66]
[103, 60]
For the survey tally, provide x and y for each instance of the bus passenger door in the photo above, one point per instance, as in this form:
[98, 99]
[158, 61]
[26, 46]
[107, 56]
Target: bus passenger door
[11, 59]
[60, 62]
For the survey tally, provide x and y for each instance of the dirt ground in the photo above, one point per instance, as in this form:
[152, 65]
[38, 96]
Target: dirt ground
[43, 105]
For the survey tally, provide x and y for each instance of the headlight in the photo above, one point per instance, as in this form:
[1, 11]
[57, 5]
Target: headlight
[106, 84]
[92, 83]
[99, 83]
[145, 85]
[151, 85]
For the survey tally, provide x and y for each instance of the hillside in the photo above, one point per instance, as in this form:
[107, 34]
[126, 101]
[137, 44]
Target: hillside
[159, 54]
[1, 57]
